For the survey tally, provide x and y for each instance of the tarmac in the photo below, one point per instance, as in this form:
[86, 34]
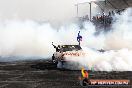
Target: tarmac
[44, 74]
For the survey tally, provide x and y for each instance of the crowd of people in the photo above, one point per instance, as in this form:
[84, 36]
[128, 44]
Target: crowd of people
[103, 21]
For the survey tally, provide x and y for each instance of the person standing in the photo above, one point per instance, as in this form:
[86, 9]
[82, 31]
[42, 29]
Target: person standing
[79, 38]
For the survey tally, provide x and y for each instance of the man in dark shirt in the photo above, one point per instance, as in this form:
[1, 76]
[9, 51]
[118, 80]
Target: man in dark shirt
[56, 47]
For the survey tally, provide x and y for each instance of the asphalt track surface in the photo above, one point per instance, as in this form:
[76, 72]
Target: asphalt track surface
[44, 74]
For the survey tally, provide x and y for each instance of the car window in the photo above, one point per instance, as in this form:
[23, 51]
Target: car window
[71, 48]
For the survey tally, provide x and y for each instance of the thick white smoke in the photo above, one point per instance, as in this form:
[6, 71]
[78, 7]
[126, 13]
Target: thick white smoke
[117, 43]
[31, 39]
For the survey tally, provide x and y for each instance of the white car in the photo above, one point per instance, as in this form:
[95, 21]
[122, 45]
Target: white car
[66, 51]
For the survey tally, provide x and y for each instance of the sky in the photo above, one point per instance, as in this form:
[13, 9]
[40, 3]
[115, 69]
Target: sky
[42, 10]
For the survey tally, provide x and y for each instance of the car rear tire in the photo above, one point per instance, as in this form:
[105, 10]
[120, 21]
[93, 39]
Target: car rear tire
[60, 64]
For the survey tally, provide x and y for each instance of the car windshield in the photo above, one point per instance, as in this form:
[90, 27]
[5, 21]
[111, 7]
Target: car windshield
[71, 48]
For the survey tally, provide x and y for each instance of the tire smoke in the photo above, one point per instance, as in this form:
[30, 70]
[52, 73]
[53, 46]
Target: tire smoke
[117, 44]
[31, 39]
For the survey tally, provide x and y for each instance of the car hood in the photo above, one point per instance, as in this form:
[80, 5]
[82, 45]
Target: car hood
[73, 53]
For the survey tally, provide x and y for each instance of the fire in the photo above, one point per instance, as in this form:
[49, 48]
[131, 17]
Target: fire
[84, 73]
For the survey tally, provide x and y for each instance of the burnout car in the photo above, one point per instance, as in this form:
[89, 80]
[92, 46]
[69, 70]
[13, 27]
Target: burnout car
[66, 51]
